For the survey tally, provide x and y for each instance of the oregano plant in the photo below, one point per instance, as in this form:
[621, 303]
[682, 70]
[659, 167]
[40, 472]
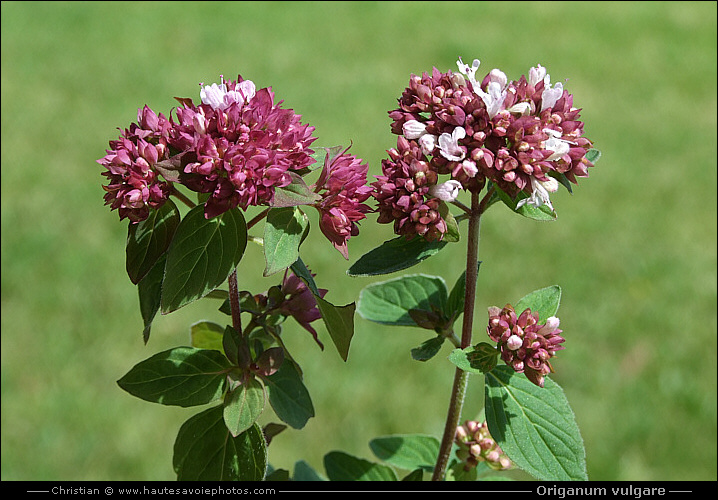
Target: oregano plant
[499, 142]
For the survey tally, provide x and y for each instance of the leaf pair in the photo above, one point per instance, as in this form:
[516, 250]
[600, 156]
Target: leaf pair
[175, 262]
[415, 300]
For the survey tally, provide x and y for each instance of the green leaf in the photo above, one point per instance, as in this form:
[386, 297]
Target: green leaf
[534, 426]
[339, 320]
[415, 475]
[542, 213]
[452, 234]
[455, 303]
[206, 451]
[544, 301]
[243, 406]
[481, 358]
[593, 155]
[183, 376]
[304, 472]
[389, 302]
[341, 466]
[201, 256]
[295, 194]
[149, 239]
[395, 255]
[428, 349]
[413, 451]
[207, 335]
[282, 235]
[301, 271]
[288, 396]
[150, 295]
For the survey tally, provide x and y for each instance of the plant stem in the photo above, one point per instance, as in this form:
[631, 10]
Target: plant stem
[461, 377]
[183, 198]
[234, 303]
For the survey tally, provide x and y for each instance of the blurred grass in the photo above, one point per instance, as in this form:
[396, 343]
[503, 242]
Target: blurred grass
[634, 248]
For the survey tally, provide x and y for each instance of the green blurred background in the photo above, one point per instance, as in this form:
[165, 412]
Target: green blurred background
[634, 249]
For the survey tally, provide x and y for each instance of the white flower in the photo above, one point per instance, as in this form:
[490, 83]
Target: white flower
[218, 97]
[520, 108]
[537, 74]
[213, 95]
[559, 146]
[243, 92]
[413, 129]
[448, 191]
[499, 77]
[427, 143]
[449, 145]
[470, 72]
[551, 95]
[494, 98]
[538, 197]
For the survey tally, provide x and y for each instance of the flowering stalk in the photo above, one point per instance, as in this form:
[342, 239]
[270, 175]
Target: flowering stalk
[461, 377]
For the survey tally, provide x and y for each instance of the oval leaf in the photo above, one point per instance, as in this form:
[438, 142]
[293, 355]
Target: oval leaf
[428, 349]
[534, 426]
[205, 450]
[389, 302]
[414, 451]
[481, 358]
[282, 235]
[183, 376]
[395, 255]
[544, 301]
[243, 406]
[343, 467]
[288, 396]
[150, 295]
[207, 335]
[148, 240]
[201, 256]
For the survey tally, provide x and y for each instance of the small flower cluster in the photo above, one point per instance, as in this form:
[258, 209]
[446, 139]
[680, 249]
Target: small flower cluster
[238, 146]
[296, 300]
[522, 135]
[343, 188]
[525, 344]
[476, 445]
[134, 186]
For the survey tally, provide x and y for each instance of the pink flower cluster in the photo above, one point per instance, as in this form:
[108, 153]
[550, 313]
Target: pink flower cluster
[238, 146]
[134, 186]
[344, 189]
[522, 135]
[525, 344]
[245, 144]
[475, 445]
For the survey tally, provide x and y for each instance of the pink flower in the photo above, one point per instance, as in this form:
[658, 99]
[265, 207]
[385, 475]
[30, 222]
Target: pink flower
[520, 134]
[134, 186]
[525, 344]
[475, 445]
[342, 185]
[245, 145]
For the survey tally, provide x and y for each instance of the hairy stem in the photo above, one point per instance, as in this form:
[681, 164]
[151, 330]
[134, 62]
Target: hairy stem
[460, 377]
[234, 303]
